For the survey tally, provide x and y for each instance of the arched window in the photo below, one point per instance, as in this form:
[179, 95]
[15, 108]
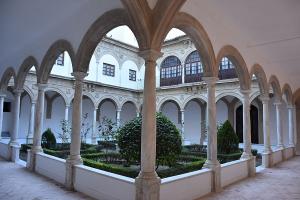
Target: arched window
[226, 69]
[170, 71]
[193, 68]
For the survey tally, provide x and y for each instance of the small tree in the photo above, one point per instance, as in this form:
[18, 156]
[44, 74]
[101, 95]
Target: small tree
[228, 141]
[66, 131]
[48, 139]
[168, 145]
[107, 130]
[85, 127]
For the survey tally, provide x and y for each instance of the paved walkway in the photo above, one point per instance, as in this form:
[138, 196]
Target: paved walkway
[279, 183]
[17, 183]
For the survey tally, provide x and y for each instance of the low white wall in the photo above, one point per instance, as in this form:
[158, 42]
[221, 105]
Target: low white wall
[276, 156]
[4, 150]
[186, 186]
[289, 152]
[233, 171]
[103, 185]
[51, 167]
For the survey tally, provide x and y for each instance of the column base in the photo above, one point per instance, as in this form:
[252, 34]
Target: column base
[147, 186]
[267, 160]
[14, 152]
[94, 140]
[216, 174]
[246, 156]
[29, 139]
[31, 157]
[280, 147]
[71, 161]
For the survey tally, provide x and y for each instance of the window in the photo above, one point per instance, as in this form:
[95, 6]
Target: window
[132, 75]
[60, 59]
[7, 107]
[226, 69]
[193, 68]
[225, 64]
[171, 71]
[108, 70]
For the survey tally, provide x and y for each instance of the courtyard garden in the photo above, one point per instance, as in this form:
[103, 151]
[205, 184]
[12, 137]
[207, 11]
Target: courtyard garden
[119, 150]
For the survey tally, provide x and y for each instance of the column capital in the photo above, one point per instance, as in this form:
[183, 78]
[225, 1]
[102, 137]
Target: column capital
[2, 95]
[33, 102]
[210, 80]
[182, 110]
[290, 106]
[41, 86]
[68, 105]
[79, 76]
[119, 110]
[264, 99]
[277, 103]
[18, 91]
[245, 92]
[150, 54]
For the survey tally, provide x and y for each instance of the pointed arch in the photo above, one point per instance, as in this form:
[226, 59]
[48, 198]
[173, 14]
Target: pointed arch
[50, 57]
[288, 93]
[7, 75]
[130, 101]
[199, 36]
[198, 99]
[275, 85]
[240, 65]
[90, 96]
[27, 64]
[59, 92]
[109, 98]
[258, 71]
[169, 99]
[98, 30]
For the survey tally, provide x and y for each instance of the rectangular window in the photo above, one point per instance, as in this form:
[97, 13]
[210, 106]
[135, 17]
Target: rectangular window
[108, 70]
[60, 59]
[132, 75]
[7, 107]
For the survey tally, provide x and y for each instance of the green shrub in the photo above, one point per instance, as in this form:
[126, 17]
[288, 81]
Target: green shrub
[48, 139]
[196, 148]
[228, 141]
[168, 142]
[25, 147]
[223, 158]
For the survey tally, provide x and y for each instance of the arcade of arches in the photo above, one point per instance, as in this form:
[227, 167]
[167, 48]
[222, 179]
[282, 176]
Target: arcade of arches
[184, 77]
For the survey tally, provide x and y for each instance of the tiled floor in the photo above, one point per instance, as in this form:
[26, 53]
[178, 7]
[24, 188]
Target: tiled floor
[279, 183]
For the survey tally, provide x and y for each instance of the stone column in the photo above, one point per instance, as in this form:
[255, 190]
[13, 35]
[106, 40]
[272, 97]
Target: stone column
[118, 117]
[182, 125]
[74, 158]
[67, 108]
[295, 128]
[31, 123]
[247, 154]
[94, 133]
[38, 126]
[147, 182]
[278, 123]
[212, 161]
[291, 125]
[267, 153]
[2, 96]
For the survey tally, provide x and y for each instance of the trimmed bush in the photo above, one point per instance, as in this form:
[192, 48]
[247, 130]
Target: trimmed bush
[168, 142]
[48, 139]
[228, 141]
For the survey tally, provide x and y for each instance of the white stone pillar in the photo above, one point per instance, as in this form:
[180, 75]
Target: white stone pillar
[212, 161]
[74, 158]
[2, 96]
[38, 125]
[291, 125]
[278, 125]
[31, 123]
[67, 108]
[182, 125]
[267, 153]
[247, 154]
[94, 133]
[118, 117]
[295, 127]
[246, 125]
[147, 182]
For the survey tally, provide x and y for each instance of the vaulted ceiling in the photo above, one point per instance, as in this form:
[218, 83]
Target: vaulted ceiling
[264, 31]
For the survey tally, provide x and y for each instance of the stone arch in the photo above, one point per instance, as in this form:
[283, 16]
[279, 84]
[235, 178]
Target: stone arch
[58, 91]
[130, 101]
[90, 96]
[50, 57]
[296, 95]
[169, 99]
[254, 95]
[275, 85]
[27, 64]
[30, 93]
[109, 98]
[233, 94]
[97, 31]
[198, 99]
[258, 71]
[240, 65]
[197, 33]
[288, 93]
[7, 75]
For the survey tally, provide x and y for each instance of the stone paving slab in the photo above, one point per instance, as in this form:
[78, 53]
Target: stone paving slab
[17, 183]
[278, 183]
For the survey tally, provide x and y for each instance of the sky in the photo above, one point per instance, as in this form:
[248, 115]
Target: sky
[124, 34]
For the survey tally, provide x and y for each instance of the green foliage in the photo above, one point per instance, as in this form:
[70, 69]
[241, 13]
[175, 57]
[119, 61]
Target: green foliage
[228, 141]
[223, 158]
[168, 142]
[48, 139]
